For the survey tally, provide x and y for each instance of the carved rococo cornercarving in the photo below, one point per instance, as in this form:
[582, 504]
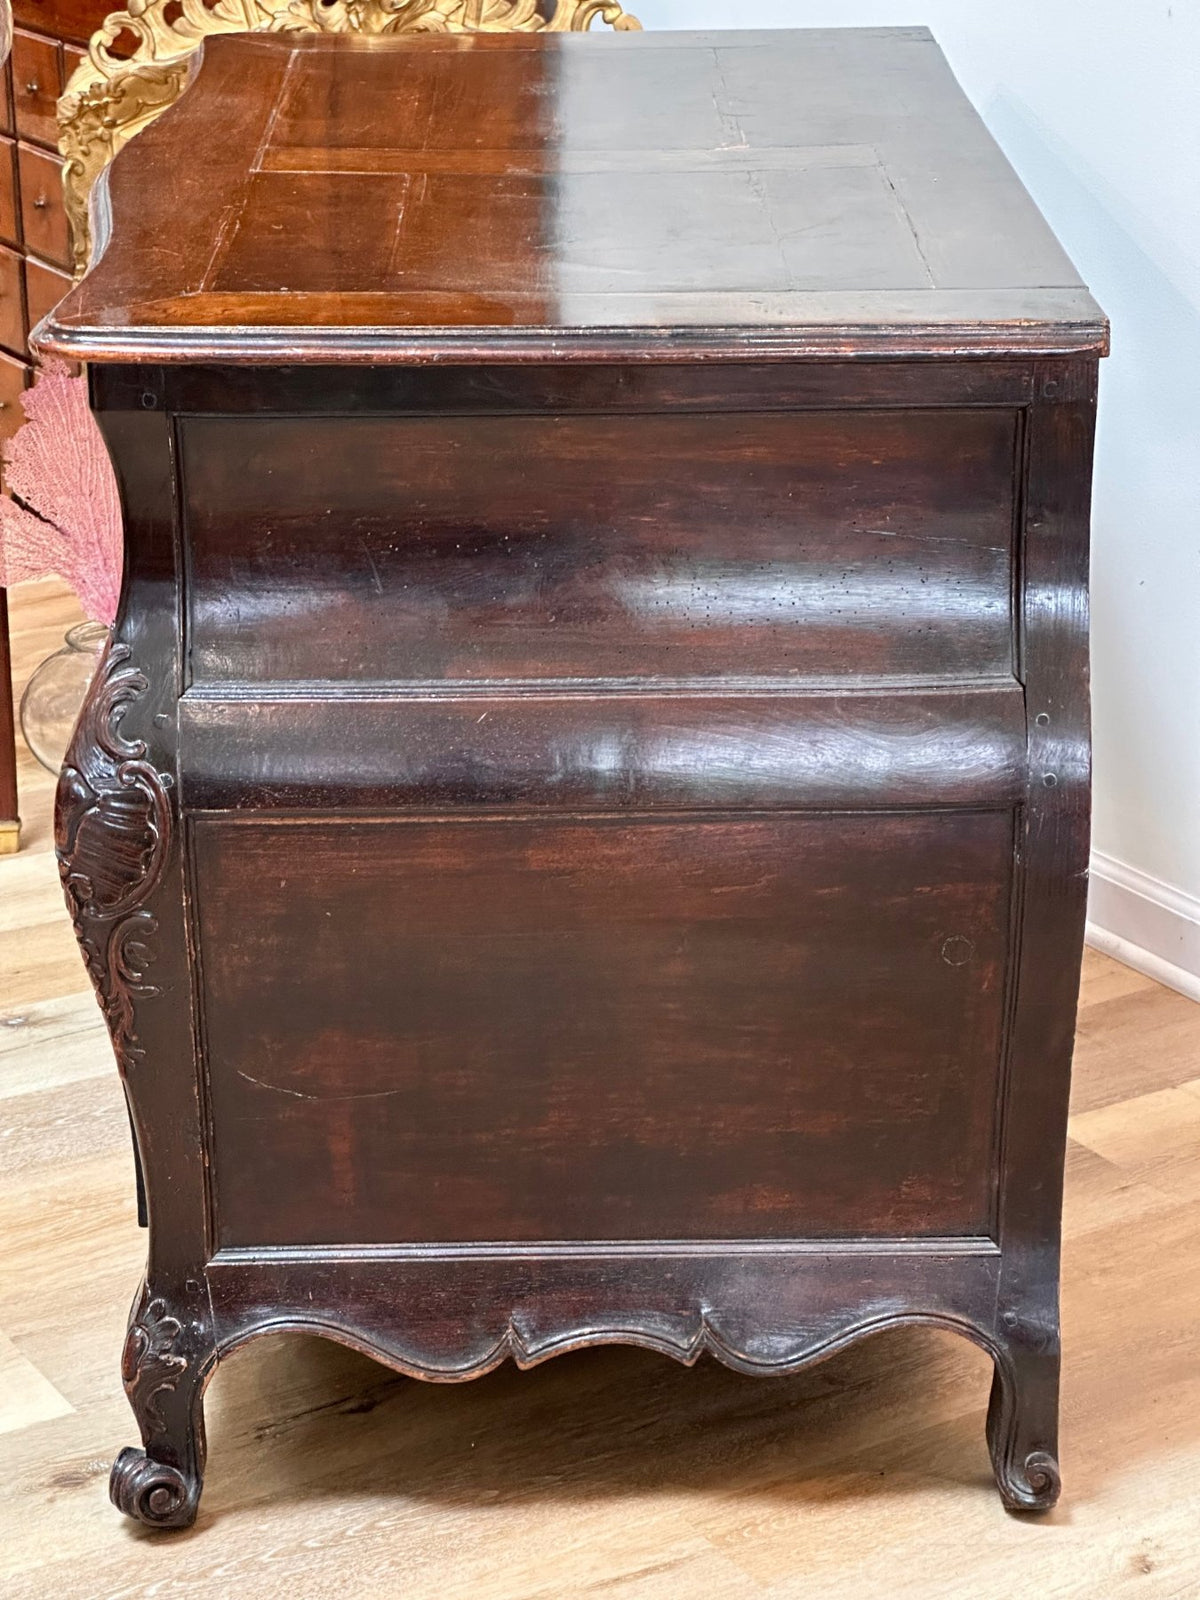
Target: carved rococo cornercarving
[110, 97]
[112, 834]
[168, 1354]
[153, 1362]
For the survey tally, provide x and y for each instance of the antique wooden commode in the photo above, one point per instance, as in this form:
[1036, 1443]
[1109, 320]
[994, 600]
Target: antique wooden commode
[581, 833]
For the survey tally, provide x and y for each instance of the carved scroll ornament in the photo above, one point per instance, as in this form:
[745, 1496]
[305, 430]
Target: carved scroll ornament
[169, 1354]
[153, 1360]
[112, 97]
[112, 834]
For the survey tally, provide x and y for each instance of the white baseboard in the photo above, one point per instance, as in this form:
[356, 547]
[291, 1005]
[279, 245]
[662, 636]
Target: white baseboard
[1149, 925]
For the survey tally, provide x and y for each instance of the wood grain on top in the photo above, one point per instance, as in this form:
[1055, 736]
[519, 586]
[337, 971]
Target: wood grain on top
[420, 198]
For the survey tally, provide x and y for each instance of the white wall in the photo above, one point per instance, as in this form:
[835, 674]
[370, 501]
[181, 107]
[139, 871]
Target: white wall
[1097, 105]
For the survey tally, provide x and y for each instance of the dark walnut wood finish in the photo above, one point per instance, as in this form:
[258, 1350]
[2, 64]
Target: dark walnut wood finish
[582, 831]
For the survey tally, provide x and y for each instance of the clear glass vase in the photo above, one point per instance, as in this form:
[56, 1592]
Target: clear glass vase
[54, 695]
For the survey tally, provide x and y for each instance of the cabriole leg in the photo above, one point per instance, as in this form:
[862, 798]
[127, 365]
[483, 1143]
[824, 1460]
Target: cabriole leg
[168, 1357]
[1022, 1424]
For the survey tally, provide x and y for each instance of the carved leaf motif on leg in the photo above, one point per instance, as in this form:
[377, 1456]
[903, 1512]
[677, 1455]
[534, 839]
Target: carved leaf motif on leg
[168, 1355]
[151, 1364]
[154, 1492]
[112, 836]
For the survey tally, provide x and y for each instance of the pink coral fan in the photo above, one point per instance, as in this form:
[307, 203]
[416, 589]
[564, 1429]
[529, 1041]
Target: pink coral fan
[65, 514]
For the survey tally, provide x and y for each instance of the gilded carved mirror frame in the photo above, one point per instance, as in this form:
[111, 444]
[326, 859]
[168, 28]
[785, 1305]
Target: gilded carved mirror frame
[111, 97]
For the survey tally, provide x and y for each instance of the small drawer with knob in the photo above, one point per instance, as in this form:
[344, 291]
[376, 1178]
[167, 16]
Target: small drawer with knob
[43, 215]
[10, 227]
[6, 111]
[44, 288]
[12, 302]
[37, 84]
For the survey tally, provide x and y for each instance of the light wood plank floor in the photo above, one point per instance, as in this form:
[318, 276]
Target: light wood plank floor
[611, 1473]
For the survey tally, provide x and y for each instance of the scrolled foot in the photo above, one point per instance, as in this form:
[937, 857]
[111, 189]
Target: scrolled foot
[152, 1492]
[169, 1354]
[1033, 1486]
[1022, 1426]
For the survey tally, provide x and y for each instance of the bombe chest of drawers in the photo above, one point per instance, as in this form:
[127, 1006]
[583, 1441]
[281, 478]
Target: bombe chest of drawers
[581, 832]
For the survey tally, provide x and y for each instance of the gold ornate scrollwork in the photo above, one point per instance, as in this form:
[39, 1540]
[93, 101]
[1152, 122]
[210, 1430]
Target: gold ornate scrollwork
[112, 97]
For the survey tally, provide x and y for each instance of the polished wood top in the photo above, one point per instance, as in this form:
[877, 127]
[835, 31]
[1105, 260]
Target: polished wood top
[547, 197]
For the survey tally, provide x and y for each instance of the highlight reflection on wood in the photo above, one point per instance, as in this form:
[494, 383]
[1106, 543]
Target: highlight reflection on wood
[117, 91]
